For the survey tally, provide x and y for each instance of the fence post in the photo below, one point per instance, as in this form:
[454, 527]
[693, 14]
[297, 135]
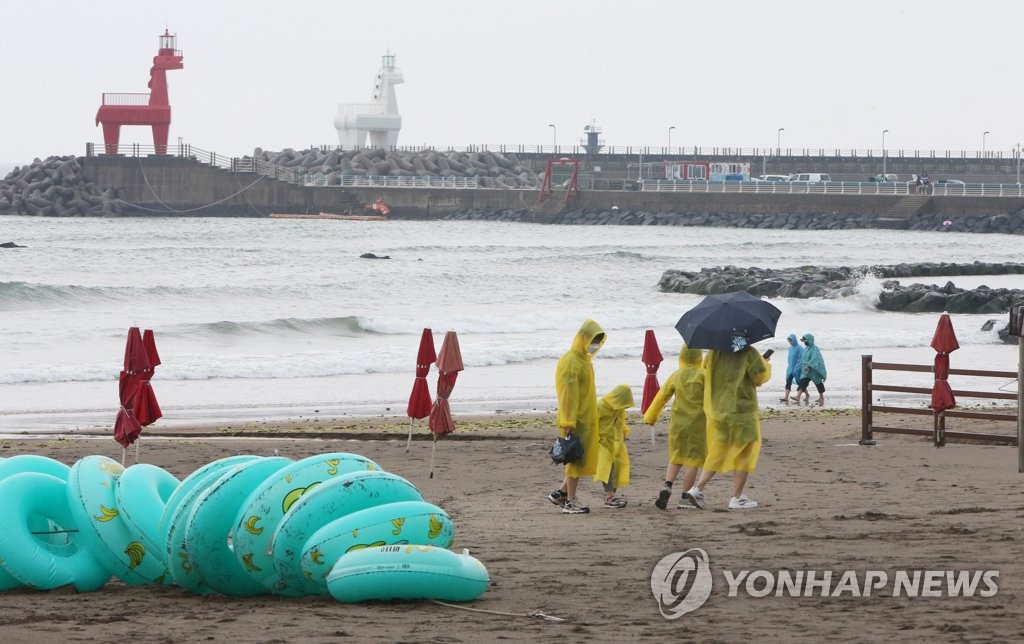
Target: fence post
[1020, 399]
[866, 437]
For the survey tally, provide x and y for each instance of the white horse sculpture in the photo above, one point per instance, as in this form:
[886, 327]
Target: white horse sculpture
[379, 119]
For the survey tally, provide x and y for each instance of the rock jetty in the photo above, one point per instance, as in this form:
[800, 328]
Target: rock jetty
[842, 281]
[56, 187]
[493, 169]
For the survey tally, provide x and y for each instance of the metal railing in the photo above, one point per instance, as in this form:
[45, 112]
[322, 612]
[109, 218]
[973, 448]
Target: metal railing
[383, 181]
[115, 98]
[830, 188]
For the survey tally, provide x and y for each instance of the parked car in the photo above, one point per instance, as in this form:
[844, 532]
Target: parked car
[949, 182]
[810, 177]
[773, 177]
[886, 178]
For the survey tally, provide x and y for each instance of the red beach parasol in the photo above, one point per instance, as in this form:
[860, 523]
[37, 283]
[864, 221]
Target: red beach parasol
[419, 400]
[449, 364]
[652, 359]
[139, 406]
[944, 342]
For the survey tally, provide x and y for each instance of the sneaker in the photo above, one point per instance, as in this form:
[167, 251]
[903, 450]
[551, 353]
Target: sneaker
[663, 497]
[686, 504]
[614, 502]
[695, 496]
[574, 507]
[558, 497]
[742, 503]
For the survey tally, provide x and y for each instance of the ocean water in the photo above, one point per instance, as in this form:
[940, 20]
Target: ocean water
[271, 319]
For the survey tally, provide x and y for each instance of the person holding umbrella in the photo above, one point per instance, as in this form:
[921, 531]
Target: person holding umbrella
[687, 436]
[577, 411]
[812, 367]
[731, 379]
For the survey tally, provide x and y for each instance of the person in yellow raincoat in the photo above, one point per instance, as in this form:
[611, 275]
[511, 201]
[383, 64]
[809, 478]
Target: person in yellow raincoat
[687, 442]
[577, 411]
[731, 380]
[612, 456]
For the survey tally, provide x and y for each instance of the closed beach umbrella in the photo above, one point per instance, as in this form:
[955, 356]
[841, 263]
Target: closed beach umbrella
[138, 404]
[652, 359]
[944, 342]
[720, 321]
[420, 403]
[449, 364]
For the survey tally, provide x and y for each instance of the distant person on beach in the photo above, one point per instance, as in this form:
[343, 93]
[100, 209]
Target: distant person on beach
[731, 379]
[796, 354]
[812, 368]
[687, 436]
[612, 456]
[577, 411]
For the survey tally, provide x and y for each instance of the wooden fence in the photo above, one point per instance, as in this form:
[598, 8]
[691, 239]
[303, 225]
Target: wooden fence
[938, 431]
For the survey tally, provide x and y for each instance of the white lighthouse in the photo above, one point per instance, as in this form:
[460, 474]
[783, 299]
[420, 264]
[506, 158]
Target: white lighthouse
[379, 119]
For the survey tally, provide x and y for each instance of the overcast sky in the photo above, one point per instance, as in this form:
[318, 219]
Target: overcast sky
[270, 74]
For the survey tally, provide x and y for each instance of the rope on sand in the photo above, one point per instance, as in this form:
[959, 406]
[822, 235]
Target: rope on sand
[532, 613]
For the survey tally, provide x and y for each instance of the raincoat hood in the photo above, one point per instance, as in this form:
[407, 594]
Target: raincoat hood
[792, 338]
[690, 357]
[619, 398]
[809, 338]
[588, 331]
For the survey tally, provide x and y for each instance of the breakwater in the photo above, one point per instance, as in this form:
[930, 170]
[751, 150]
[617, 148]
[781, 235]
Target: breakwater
[842, 281]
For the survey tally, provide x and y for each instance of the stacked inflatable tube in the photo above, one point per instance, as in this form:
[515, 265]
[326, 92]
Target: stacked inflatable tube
[242, 525]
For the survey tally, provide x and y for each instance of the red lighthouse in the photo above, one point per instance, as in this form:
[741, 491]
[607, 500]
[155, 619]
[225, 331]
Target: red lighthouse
[153, 109]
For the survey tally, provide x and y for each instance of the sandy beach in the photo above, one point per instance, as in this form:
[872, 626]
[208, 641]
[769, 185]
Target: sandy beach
[827, 504]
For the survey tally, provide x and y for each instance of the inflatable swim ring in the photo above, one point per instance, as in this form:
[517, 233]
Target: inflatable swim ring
[210, 523]
[332, 499]
[405, 522]
[407, 572]
[257, 521]
[140, 496]
[32, 559]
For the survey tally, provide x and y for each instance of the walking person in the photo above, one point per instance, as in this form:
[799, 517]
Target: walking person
[687, 437]
[577, 411]
[612, 455]
[812, 368]
[793, 364]
[731, 380]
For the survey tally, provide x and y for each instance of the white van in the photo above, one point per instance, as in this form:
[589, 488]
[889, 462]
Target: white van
[810, 177]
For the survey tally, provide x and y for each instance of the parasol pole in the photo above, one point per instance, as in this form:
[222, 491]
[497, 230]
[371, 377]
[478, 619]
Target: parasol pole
[652, 435]
[432, 447]
[124, 454]
[137, 441]
[408, 441]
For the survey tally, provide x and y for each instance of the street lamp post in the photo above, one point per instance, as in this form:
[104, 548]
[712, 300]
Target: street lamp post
[670, 128]
[554, 135]
[778, 141]
[986, 133]
[883, 154]
[1018, 164]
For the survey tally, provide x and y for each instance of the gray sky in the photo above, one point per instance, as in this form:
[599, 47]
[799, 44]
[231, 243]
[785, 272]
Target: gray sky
[270, 74]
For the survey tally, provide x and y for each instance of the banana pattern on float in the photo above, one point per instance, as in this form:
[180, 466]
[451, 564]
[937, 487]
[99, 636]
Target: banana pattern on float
[135, 551]
[107, 514]
[250, 525]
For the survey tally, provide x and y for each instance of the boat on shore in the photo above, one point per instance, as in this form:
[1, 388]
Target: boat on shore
[327, 215]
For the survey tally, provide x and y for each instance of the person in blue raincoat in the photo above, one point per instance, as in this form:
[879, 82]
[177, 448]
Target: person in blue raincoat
[796, 354]
[812, 368]
[577, 411]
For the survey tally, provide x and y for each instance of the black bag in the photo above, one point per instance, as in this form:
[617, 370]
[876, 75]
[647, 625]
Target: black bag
[567, 450]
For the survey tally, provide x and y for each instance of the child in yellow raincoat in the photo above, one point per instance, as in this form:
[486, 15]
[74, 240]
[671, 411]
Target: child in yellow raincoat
[731, 380]
[612, 456]
[577, 411]
[687, 440]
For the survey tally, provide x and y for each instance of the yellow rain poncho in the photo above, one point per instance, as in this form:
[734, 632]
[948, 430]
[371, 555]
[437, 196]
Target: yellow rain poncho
[687, 436]
[730, 403]
[612, 433]
[577, 397]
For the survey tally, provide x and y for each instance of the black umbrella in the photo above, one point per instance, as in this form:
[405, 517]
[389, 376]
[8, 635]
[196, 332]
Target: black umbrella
[717, 319]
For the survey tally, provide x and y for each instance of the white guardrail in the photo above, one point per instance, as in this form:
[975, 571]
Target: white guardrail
[369, 181]
[834, 188]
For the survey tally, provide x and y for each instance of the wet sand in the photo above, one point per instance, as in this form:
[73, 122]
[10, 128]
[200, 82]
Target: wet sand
[827, 504]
